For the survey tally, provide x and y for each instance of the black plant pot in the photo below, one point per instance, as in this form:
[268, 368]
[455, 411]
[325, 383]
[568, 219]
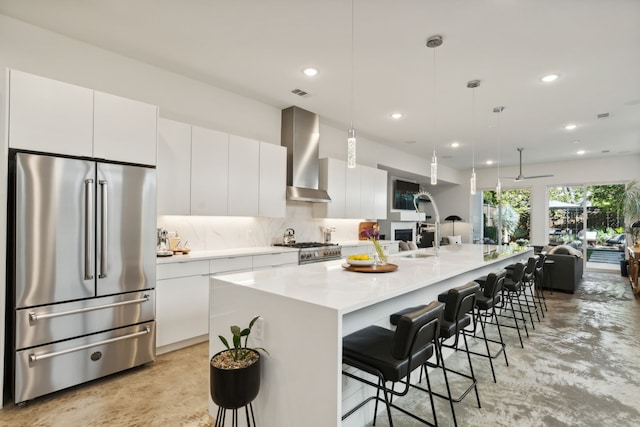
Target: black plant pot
[234, 388]
[624, 266]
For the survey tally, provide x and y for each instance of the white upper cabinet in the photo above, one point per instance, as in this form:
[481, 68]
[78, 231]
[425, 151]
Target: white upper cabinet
[367, 192]
[381, 194]
[332, 178]
[174, 168]
[210, 172]
[244, 166]
[272, 181]
[55, 117]
[49, 116]
[360, 192]
[124, 130]
[353, 192]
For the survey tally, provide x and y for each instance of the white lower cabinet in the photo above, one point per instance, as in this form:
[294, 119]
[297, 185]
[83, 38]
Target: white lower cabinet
[275, 260]
[182, 294]
[182, 304]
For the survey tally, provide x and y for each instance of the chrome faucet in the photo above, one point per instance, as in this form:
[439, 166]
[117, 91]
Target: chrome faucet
[436, 236]
[326, 233]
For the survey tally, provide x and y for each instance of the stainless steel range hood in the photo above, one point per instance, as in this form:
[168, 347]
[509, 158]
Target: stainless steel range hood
[301, 136]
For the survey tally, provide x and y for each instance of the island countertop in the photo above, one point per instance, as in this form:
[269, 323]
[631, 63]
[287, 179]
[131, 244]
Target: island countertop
[306, 310]
[330, 285]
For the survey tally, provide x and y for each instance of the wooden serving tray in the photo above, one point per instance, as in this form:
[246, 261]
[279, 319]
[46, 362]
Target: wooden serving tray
[384, 268]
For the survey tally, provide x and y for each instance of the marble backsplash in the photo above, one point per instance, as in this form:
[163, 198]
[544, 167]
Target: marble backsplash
[211, 233]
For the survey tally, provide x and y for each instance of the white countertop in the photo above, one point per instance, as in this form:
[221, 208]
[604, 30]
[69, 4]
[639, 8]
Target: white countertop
[258, 250]
[361, 242]
[329, 285]
[224, 253]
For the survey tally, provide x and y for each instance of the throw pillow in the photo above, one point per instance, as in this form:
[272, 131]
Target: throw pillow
[403, 246]
[412, 246]
[454, 239]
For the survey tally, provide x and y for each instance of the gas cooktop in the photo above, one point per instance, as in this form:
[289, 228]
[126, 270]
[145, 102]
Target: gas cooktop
[303, 245]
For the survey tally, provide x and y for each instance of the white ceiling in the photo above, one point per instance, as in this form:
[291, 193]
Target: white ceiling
[258, 48]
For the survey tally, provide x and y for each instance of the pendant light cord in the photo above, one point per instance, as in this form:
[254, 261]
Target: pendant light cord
[473, 129]
[433, 112]
[352, 60]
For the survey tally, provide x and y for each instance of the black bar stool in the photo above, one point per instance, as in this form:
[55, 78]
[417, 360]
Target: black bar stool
[488, 299]
[393, 355]
[539, 283]
[528, 280]
[511, 292]
[459, 303]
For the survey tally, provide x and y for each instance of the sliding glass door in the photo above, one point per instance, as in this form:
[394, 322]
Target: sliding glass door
[589, 218]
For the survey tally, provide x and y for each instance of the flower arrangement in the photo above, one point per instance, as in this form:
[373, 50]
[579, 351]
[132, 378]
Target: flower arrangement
[373, 235]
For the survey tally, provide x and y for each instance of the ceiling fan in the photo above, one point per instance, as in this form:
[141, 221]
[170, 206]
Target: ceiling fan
[521, 177]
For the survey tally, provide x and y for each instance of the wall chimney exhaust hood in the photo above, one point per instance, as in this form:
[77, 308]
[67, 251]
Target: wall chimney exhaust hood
[301, 136]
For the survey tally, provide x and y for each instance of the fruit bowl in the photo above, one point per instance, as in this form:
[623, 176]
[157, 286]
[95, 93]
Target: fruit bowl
[359, 262]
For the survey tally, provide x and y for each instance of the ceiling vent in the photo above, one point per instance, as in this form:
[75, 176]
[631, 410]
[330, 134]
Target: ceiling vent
[299, 92]
[603, 115]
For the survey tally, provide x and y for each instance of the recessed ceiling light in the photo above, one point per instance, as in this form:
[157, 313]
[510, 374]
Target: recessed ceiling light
[570, 127]
[489, 162]
[455, 144]
[580, 152]
[396, 116]
[311, 72]
[549, 78]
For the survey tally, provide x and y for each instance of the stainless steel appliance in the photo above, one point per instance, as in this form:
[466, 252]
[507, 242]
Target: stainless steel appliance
[83, 270]
[311, 252]
[289, 236]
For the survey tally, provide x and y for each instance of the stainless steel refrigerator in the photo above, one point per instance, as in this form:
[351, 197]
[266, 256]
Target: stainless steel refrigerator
[82, 263]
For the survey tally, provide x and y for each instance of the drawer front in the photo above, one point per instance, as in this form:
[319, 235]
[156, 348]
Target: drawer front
[222, 265]
[274, 260]
[53, 367]
[182, 269]
[41, 325]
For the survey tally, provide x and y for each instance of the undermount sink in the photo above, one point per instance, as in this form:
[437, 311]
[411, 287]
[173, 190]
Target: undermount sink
[416, 255]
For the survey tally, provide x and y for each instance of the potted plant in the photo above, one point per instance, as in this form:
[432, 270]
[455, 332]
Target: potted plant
[235, 372]
[632, 207]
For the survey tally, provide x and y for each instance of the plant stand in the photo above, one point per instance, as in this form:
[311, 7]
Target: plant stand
[234, 389]
[220, 417]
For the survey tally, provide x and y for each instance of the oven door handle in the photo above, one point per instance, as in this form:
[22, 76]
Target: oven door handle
[35, 357]
[33, 316]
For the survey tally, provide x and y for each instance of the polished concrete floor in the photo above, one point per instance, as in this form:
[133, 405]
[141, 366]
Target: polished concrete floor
[579, 367]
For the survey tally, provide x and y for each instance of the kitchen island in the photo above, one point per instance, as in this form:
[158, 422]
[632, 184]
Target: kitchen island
[306, 311]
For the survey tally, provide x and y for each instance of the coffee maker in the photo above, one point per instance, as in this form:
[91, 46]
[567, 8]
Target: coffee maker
[162, 245]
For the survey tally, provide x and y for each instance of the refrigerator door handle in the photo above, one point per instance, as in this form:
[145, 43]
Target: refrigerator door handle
[88, 228]
[36, 357]
[34, 316]
[104, 232]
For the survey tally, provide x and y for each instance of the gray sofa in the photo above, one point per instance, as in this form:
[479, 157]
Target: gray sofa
[566, 272]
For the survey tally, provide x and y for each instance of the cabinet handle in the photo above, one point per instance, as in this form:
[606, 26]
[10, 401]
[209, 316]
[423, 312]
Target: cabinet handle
[33, 316]
[35, 357]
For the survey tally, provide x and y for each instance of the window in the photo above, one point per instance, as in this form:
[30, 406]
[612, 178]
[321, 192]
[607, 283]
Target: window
[515, 215]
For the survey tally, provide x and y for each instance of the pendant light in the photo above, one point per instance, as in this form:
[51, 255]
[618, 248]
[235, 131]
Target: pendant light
[351, 135]
[473, 84]
[433, 42]
[499, 111]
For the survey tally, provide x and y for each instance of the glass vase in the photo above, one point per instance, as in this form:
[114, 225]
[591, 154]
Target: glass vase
[381, 257]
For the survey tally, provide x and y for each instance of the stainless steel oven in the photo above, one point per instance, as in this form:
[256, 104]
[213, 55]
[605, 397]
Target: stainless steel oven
[311, 252]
